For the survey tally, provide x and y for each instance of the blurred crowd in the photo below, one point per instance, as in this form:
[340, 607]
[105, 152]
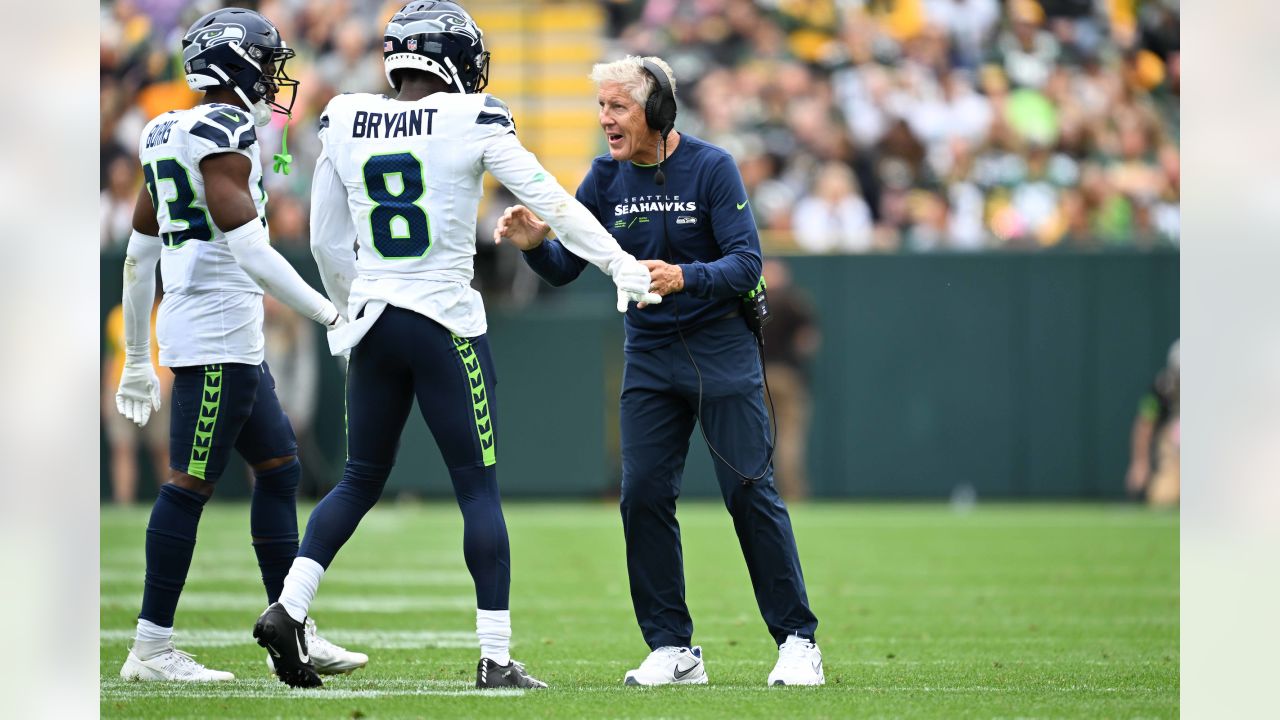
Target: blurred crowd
[859, 125]
[916, 125]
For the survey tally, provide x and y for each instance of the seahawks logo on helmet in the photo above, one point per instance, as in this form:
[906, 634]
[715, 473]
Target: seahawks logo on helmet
[219, 34]
[441, 23]
[461, 25]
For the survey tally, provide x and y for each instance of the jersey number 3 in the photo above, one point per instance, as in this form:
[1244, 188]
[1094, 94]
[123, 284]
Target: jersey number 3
[182, 208]
[399, 226]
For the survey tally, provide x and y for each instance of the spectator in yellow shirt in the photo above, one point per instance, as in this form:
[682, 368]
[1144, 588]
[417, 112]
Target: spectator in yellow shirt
[123, 434]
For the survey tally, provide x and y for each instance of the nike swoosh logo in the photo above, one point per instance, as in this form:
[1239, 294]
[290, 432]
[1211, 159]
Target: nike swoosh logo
[742, 204]
[236, 118]
[302, 654]
[680, 674]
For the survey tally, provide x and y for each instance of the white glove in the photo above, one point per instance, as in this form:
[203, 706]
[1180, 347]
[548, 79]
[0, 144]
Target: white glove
[632, 280]
[346, 354]
[139, 391]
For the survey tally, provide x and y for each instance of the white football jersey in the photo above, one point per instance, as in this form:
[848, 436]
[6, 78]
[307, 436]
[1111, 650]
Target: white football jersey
[212, 310]
[402, 182]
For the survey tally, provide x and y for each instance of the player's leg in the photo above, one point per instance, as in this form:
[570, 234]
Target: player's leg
[456, 388]
[656, 424]
[379, 396]
[736, 423]
[268, 444]
[210, 404]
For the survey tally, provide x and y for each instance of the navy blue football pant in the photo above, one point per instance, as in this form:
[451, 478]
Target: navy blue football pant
[403, 356]
[659, 409]
[217, 409]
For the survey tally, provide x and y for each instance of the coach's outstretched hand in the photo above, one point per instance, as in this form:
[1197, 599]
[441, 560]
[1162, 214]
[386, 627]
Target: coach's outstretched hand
[521, 227]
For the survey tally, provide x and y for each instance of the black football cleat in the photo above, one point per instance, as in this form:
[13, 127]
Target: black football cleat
[490, 674]
[286, 641]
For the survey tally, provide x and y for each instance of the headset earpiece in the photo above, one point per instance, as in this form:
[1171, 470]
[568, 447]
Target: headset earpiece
[660, 106]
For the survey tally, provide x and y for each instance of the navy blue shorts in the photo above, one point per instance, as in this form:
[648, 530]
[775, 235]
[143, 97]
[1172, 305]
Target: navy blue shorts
[217, 408]
[407, 355]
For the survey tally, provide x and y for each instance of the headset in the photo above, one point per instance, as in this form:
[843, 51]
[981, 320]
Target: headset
[660, 111]
[660, 115]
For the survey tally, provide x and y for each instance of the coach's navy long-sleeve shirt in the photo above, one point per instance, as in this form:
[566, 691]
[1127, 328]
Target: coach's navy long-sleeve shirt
[698, 220]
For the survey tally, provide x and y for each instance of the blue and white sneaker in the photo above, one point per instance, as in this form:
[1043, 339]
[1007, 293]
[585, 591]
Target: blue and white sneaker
[670, 665]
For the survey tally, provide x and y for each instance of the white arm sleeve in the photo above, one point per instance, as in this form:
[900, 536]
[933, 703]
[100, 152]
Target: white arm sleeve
[574, 225]
[275, 275]
[333, 235]
[139, 294]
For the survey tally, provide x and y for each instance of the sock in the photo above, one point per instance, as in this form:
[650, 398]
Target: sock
[171, 538]
[336, 517]
[150, 639]
[273, 523]
[493, 627]
[300, 587]
[485, 545]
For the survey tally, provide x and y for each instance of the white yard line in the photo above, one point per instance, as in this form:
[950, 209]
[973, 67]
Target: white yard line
[115, 689]
[355, 639]
[249, 575]
[254, 602]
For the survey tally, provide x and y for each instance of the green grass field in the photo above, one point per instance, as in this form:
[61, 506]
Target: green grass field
[1004, 611]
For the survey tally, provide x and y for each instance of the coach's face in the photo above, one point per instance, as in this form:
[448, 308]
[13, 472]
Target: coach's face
[622, 119]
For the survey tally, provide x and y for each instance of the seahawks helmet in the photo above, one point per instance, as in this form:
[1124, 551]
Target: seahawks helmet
[233, 48]
[439, 38]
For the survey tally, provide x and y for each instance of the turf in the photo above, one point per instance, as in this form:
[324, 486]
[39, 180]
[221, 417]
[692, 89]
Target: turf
[1002, 611]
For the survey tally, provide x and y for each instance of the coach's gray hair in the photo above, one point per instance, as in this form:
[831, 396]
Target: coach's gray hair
[629, 72]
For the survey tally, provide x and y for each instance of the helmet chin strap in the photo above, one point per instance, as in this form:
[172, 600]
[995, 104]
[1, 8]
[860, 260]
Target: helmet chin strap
[457, 79]
[260, 111]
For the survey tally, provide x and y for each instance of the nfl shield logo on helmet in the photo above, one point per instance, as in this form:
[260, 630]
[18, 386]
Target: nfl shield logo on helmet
[386, 46]
[412, 44]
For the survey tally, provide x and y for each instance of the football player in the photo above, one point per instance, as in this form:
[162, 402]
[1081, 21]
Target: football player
[201, 214]
[403, 176]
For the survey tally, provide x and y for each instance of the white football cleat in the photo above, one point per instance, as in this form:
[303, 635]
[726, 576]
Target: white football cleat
[172, 664]
[799, 663]
[670, 666]
[327, 658]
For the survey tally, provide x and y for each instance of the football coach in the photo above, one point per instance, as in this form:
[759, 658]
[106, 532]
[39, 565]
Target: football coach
[694, 357]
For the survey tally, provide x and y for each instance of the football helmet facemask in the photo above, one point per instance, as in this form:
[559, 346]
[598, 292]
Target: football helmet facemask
[439, 38]
[241, 50]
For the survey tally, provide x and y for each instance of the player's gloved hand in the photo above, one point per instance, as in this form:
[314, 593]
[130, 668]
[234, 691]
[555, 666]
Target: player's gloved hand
[139, 391]
[632, 280]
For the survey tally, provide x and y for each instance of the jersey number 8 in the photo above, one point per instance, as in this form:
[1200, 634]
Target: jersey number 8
[411, 236]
